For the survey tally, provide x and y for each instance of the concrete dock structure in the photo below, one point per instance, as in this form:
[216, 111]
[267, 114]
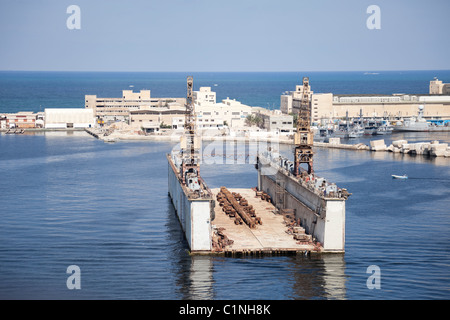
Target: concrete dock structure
[290, 211]
[317, 204]
[194, 210]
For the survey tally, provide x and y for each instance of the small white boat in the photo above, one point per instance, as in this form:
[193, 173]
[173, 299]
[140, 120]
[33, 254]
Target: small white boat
[110, 139]
[400, 177]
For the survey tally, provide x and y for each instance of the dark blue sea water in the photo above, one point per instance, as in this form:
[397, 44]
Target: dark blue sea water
[69, 199]
[35, 91]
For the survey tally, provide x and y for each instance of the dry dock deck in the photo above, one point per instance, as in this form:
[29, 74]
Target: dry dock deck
[270, 237]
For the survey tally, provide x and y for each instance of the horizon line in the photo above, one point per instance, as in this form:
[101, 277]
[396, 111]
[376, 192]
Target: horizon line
[261, 71]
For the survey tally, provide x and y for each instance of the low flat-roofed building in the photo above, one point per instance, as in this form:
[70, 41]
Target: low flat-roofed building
[157, 116]
[275, 120]
[118, 109]
[24, 119]
[328, 106]
[2, 121]
[68, 118]
[396, 106]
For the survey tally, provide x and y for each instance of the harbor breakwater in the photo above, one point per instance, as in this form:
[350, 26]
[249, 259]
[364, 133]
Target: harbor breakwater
[433, 148]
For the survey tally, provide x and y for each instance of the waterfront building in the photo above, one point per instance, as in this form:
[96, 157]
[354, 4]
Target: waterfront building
[388, 106]
[275, 120]
[290, 102]
[210, 114]
[329, 106]
[234, 114]
[118, 109]
[229, 112]
[437, 87]
[2, 121]
[23, 119]
[68, 118]
[286, 103]
[205, 96]
[152, 117]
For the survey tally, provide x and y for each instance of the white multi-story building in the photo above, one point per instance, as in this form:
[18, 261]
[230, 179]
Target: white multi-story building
[437, 87]
[210, 114]
[204, 96]
[118, 109]
[329, 106]
[229, 113]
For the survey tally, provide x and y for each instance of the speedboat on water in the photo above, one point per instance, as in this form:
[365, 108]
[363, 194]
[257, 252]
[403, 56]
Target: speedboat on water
[400, 177]
[384, 129]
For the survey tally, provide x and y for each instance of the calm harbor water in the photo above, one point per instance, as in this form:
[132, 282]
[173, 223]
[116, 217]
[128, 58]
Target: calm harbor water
[69, 199]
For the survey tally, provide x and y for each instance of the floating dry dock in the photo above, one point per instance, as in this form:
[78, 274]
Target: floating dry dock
[286, 215]
[291, 210]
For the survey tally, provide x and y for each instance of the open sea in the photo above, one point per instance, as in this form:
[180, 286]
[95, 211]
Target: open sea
[70, 199]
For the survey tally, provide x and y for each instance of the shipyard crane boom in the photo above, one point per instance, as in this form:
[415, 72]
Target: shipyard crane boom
[303, 138]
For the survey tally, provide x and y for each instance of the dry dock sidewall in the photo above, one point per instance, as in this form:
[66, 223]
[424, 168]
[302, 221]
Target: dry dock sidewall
[323, 219]
[194, 215]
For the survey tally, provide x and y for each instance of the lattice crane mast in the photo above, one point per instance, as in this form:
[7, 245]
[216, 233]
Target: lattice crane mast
[303, 138]
[190, 143]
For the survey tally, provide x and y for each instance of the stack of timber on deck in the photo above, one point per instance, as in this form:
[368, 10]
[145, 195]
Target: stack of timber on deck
[268, 231]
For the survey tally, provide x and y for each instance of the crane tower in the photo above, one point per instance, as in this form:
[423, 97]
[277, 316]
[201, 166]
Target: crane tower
[303, 138]
[190, 143]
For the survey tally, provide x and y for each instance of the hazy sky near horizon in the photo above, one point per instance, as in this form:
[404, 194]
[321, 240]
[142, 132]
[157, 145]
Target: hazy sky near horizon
[224, 35]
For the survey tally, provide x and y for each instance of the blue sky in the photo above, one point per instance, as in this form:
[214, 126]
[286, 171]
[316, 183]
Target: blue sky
[224, 35]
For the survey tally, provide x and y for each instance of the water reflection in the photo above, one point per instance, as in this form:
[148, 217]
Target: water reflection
[319, 277]
[201, 278]
[206, 277]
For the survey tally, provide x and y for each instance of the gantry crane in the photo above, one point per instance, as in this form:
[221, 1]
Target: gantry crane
[303, 138]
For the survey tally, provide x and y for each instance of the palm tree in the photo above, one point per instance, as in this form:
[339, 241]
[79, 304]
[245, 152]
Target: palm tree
[258, 121]
[249, 120]
[254, 120]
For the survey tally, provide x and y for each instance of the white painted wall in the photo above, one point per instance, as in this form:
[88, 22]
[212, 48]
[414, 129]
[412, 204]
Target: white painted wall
[194, 215]
[334, 235]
